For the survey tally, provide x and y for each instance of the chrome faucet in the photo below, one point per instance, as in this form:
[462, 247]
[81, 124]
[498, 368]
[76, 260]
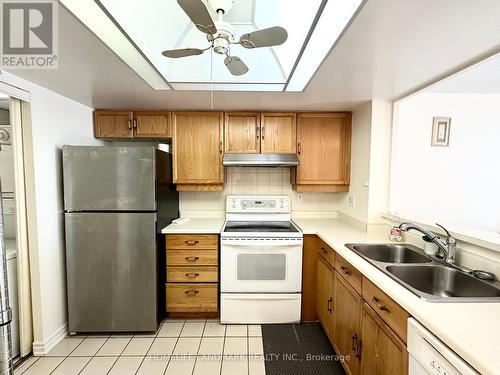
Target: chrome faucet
[447, 247]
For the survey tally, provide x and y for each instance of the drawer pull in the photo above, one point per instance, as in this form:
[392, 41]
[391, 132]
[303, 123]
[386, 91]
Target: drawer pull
[329, 304]
[192, 259]
[191, 242]
[380, 306]
[323, 251]
[346, 270]
[192, 275]
[192, 292]
[354, 342]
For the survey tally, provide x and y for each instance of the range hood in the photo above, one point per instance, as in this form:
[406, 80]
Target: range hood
[260, 160]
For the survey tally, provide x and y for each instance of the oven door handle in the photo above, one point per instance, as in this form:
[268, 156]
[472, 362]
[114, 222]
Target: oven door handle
[276, 243]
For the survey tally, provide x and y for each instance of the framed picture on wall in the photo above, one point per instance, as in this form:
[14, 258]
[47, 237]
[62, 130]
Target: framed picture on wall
[441, 131]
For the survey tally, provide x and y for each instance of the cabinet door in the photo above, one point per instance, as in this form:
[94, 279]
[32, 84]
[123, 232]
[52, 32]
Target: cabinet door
[346, 322]
[382, 351]
[323, 148]
[324, 299]
[152, 125]
[309, 275]
[242, 132]
[197, 144]
[113, 124]
[278, 133]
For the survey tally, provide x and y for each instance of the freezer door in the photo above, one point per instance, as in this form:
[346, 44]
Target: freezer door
[111, 263]
[109, 178]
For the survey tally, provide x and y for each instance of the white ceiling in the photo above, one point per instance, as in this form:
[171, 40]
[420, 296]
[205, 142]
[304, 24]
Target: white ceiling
[392, 48]
[481, 78]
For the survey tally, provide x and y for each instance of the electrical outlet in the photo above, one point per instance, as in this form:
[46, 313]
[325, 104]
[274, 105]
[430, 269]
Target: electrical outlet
[300, 196]
[352, 202]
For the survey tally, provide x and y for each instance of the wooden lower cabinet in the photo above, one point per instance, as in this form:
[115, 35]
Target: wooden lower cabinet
[309, 270]
[192, 279]
[324, 295]
[366, 327]
[346, 323]
[382, 351]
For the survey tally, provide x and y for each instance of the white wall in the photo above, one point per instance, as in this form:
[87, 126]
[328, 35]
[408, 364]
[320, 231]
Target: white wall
[258, 181]
[380, 160]
[55, 121]
[360, 164]
[459, 184]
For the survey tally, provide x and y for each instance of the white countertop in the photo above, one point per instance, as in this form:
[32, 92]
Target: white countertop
[196, 225]
[472, 330]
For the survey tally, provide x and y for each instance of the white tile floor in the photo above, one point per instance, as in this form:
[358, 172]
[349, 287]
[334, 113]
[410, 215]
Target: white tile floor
[192, 347]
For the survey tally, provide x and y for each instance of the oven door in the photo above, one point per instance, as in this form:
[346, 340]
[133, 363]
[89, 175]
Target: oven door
[271, 265]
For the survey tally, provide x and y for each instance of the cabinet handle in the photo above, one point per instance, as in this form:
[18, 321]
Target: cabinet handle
[191, 259]
[359, 347]
[354, 342]
[129, 124]
[298, 148]
[380, 306]
[191, 242]
[262, 133]
[257, 131]
[220, 147]
[135, 124]
[323, 251]
[346, 270]
[329, 303]
[192, 275]
[192, 292]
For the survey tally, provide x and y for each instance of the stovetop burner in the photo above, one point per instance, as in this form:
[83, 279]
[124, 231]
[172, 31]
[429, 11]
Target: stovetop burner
[260, 226]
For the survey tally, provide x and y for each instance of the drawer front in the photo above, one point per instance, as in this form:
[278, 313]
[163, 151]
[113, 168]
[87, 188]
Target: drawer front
[326, 252]
[349, 273]
[394, 315]
[196, 274]
[192, 241]
[192, 257]
[191, 297]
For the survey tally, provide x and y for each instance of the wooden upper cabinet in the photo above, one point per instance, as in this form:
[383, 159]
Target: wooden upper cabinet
[113, 124]
[152, 124]
[346, 323]
[278, 133]
[242, 132]
[382, 351]
[324, 151]
[198, 147]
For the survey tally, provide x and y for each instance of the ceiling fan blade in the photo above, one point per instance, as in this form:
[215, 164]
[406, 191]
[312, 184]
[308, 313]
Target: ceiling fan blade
[235, 65]
[176, 53]
[272, 36]
[198, 13]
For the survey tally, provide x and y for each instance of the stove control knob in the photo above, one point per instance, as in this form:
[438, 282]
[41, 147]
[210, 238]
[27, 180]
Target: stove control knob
[243, 204]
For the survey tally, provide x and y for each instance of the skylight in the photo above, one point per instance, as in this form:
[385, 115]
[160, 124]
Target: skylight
[138, 31]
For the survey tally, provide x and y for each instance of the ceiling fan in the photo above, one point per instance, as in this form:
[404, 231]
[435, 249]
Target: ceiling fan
[220, 34]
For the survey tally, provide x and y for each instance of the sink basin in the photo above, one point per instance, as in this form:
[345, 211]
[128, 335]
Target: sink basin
[443, 281]
[390, 253]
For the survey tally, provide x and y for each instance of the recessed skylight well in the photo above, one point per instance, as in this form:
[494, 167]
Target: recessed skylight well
[335, 17]
[138, 32]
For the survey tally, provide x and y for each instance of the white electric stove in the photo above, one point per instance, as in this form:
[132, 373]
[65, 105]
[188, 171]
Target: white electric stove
[261, 261]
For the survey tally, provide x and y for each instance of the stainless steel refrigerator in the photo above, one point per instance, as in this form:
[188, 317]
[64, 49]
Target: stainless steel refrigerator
[116, 201]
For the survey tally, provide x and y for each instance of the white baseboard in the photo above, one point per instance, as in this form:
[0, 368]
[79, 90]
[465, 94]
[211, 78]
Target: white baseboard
[43, 347]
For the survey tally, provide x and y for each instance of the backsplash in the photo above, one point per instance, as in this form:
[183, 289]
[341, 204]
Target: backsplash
[259, 181]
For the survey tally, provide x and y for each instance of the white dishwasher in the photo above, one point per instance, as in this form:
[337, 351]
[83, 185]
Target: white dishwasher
[430, 356]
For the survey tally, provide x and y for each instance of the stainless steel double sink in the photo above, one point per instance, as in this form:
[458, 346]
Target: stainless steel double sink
[426, 276]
